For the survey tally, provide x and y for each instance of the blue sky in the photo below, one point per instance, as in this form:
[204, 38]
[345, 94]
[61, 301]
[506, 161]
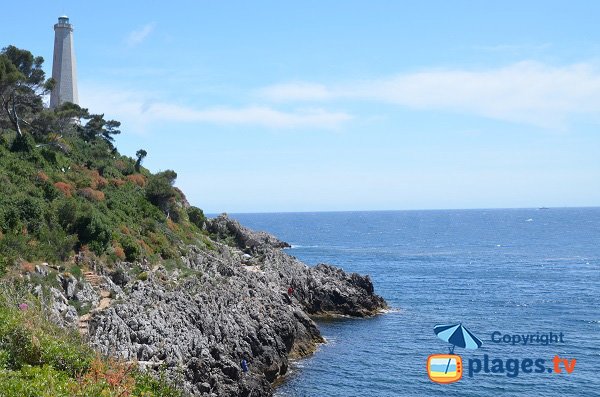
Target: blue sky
[268, 106]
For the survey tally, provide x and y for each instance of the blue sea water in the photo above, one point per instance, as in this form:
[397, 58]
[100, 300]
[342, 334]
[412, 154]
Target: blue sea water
[515, 271]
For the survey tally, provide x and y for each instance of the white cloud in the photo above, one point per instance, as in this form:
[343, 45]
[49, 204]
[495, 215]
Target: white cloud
[525, 92]
[138, 109]
[138, 36]
[529, 93]
[255, 115]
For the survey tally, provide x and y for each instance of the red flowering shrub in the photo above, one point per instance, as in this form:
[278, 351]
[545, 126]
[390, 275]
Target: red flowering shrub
[65, 188]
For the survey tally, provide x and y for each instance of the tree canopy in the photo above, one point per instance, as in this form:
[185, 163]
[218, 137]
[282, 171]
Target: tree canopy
[22, 84]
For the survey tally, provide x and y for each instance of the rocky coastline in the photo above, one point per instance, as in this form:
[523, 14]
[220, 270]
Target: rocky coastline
[237, 297]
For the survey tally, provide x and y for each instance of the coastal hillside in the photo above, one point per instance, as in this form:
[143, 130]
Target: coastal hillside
[149, 293]
[65, 188]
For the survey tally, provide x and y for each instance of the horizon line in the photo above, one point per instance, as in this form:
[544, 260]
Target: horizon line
[402, 210]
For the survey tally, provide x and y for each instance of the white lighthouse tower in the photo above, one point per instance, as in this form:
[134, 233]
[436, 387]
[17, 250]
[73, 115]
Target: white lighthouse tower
[64, 71]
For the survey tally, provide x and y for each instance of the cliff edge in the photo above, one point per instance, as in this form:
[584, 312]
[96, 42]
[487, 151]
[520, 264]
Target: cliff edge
[228, 303]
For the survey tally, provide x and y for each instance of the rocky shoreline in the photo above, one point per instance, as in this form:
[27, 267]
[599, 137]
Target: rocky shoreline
[238, 297]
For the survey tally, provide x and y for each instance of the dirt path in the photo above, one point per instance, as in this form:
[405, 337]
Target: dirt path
[105, 300]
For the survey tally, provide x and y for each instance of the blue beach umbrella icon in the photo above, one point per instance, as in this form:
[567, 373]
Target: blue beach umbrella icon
[457, 335]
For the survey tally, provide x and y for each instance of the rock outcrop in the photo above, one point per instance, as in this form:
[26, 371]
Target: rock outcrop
[250, 241]
[246, 299]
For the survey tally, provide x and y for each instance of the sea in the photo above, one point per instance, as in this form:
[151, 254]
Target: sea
[498, 272]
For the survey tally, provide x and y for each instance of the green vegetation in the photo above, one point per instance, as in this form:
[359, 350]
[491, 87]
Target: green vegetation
[67, 193]
[196, 216]
[65, 188]
[38, 359]
[143, 276]
[141, 155]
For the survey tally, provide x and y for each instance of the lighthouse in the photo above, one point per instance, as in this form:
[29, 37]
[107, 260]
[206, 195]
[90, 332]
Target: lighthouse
[64, 71]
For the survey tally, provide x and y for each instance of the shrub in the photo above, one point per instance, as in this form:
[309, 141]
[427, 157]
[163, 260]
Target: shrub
[159, 189]
[101, 182]
[39, 359]
[137, 179]
[91, 194]
[93, 230]
[28, 339]
[41, 176]
[117, 182]
[120, 165]
[5, 261]
[50, 192]
[38, 381]
[145, 247]
[174, 210]
[56, 244]
[32, 213]
[125, 165]
[196, 216]
[130, 248]
[80, 176]
[22, 143]
[22, 213]
[27, 267]
[65, 188]
[49, 156]
[171, 225]
[67, 214]
[97, 181]
[146, 385]
[108, 171]
[12, 247]
[119, 252]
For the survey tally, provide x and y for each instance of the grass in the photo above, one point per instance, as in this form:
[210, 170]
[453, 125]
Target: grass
[76, 272]
[82, 308]
[39, 359]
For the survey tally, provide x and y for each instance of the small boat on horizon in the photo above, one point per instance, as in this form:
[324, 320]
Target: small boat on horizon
[543, 208]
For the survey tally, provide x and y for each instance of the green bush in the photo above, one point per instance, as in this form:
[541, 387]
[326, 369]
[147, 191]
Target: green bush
[66, 211]
[76, 271]
[26, 338]
[159, 189]
[39, 381]
[92, 229]
[146, 385]
[131, 248]
[22, 143]
[110, 171]
[23, 212]
[196, 216]
[12, 246]
[174, 211]
[4, 359]
[51, 193]
[39, 359]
